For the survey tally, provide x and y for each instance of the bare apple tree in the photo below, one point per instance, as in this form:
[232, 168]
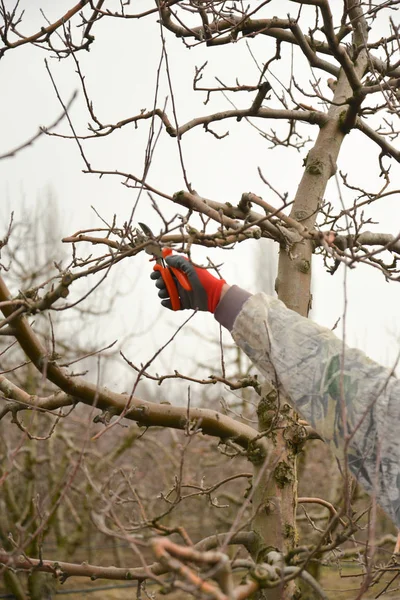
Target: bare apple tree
[348, 85]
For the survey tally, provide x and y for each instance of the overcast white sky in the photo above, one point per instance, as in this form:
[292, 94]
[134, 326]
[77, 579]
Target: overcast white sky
[120, 72]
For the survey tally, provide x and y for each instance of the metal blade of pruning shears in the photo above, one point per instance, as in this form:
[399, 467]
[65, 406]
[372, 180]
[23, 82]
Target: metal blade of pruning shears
[154, 248]
[160, 253]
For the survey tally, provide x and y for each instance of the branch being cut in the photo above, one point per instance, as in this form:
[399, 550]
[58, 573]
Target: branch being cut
[242, 223]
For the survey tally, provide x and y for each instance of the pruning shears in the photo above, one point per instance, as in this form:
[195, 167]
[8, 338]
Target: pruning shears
[160, 253]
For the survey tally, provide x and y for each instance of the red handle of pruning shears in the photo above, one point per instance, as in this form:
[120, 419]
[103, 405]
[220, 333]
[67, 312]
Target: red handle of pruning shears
[169, 281]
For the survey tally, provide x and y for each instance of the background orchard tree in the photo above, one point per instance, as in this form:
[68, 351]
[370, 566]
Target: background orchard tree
[327, 76]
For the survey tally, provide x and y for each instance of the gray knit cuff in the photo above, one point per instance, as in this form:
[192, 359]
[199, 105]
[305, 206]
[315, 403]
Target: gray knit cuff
[230, 306]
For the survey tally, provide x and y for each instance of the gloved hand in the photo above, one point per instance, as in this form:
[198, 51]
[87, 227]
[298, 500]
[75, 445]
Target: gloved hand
[205, 292]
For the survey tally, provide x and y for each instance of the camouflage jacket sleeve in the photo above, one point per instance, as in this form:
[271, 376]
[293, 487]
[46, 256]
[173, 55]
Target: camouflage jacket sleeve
[351, 401]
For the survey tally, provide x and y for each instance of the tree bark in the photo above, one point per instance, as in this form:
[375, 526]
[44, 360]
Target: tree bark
[275, 499]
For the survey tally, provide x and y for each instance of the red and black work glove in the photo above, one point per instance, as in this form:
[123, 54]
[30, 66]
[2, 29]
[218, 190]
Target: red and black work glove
[205, 292]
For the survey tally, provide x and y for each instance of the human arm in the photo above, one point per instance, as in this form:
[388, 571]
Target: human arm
[351, 401]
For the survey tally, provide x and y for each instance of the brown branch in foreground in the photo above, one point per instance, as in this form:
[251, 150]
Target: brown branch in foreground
[243, 538]
[324, 503]
[17, 399]
[172, 556]
[64, 570]
[144, 413]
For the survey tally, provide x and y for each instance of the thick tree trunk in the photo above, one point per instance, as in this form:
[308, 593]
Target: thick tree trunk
[275, 492]
[275, 496]
[294, 271]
